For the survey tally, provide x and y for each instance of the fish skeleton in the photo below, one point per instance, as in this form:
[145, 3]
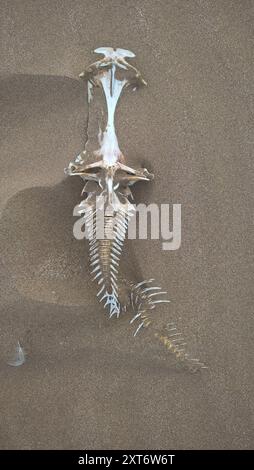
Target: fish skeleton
[108, 181]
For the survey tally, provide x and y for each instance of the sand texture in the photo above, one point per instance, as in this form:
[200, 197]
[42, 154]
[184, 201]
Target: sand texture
[87, 383]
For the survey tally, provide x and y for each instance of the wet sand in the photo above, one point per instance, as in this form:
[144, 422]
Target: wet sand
[87, 383]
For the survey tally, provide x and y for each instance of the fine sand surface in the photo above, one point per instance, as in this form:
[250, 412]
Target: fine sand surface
[87, 383]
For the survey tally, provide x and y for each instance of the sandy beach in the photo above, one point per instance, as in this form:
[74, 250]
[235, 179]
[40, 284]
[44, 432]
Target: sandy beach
[87, 383]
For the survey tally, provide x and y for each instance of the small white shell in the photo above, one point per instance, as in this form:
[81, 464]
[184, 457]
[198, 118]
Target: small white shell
[18, 358]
